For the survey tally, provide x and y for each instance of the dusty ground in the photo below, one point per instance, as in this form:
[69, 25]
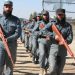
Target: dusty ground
[24, 66]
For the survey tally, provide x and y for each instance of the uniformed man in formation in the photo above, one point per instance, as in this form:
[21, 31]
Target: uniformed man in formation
[35, 39]
[57, 52]
[39, 39]
[11, 28]
[46, 49]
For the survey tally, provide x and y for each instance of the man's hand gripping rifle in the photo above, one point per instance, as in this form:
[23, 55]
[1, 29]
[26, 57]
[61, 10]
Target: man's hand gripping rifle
[54, 28]
[5, 45]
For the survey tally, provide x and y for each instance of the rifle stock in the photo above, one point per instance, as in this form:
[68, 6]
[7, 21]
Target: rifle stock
[6, 46]
[54, 28]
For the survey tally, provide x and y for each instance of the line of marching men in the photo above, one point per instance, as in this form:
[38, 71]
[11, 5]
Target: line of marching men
[44, 44]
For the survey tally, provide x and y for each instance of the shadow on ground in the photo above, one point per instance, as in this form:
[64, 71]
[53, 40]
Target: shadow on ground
[69, 74]
[66, 74]
[25, 73]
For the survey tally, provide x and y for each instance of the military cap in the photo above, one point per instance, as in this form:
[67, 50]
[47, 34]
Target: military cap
[39, 14]
[8, 3]
[60, 11]
[45, 12]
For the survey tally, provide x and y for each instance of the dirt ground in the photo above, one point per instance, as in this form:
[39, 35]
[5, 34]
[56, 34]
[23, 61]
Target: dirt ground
[24, 65]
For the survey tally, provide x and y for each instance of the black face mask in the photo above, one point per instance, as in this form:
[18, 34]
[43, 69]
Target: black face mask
[7, 14]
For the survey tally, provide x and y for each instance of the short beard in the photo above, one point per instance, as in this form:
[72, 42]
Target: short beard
[46, 21]
[62, 20]
[7, 14]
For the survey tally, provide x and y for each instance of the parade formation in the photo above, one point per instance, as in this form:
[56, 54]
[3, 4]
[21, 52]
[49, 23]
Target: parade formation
[46, 39]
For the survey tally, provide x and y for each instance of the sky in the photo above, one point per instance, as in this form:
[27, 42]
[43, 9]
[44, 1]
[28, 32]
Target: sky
[23, 8]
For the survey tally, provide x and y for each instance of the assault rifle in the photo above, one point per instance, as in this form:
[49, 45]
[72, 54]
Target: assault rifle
[6, 46]
[54, 28]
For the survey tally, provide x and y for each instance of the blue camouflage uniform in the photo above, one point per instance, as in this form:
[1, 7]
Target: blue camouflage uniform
[26, 43]
[30, 27]
[31, 36]
[12, 30]
[66, 31]
[57, 54]
[22, 37]
[35, 42]
[42, 43]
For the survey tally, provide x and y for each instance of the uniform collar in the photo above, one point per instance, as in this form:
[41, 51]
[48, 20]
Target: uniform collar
[7, 17]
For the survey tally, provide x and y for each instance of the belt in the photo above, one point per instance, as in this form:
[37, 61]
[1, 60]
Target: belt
[42, 36]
